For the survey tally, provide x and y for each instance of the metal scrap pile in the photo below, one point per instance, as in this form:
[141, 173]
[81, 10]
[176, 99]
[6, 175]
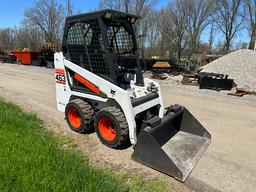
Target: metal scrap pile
[239, 65]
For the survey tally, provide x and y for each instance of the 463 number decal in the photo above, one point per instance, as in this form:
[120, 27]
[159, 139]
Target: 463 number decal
[60, 76]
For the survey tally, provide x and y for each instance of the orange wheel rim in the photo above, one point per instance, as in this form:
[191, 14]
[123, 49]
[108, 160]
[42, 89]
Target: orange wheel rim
[107, 129]
[74, 117]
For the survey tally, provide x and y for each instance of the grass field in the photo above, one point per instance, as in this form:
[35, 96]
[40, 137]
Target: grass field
[33, 159]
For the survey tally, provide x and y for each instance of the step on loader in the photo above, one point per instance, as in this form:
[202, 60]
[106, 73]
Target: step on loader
[100, 86]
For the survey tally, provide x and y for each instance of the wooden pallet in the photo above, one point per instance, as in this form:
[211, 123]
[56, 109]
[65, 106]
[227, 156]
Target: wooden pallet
[242, 91]
[190, 79]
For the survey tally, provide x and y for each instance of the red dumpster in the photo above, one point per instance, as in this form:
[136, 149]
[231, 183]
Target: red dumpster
[26, 57]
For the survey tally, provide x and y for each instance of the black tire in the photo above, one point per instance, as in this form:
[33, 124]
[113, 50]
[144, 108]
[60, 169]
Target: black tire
[85, 113]
[118, 122]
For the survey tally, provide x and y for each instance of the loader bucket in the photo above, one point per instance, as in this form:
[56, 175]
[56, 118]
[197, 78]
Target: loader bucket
[174, 146]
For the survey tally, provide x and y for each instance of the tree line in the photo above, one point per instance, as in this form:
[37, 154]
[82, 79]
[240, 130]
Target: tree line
[174, 30]
[42, 23]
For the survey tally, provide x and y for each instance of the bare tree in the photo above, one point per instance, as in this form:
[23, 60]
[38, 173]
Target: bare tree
[69, 7]
[176, 26]
[153, 31]
[183, 24]
[229, 19]
[141, 8]
[7, 39]
[48, 16]
[153, 36]
[121, 5]
[251, 21]
[28, 36]
[211, 37]
[23, 37]
[240, 45]
[126, 5]
[197, 13]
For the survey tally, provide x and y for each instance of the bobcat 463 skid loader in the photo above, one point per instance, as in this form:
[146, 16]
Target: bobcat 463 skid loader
[100, 86]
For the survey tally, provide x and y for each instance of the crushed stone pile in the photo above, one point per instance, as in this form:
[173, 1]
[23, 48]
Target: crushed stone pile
[239, 65]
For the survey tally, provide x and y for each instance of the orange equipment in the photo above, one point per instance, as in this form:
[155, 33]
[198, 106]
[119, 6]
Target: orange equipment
[25, 57]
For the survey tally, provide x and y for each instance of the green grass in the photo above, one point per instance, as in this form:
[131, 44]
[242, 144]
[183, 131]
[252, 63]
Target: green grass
[138, 184]
[33, 159]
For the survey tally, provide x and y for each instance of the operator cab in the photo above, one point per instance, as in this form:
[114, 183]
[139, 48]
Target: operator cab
[104, 43]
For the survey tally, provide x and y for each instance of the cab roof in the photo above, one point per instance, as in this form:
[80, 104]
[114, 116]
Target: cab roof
[101, 14]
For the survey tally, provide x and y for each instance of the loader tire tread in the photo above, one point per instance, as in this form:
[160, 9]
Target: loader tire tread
[88, 114]
[123, 125]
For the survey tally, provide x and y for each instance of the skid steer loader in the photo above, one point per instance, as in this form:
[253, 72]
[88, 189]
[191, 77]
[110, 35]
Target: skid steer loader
[100, 86]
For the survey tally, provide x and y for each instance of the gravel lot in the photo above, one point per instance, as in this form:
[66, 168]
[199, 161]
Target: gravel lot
[239, 65]
[228, 164]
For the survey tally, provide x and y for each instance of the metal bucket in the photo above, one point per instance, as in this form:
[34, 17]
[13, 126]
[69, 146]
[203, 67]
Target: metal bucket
[174, 146]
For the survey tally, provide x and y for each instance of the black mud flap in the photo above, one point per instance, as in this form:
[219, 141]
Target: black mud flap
[174, 146]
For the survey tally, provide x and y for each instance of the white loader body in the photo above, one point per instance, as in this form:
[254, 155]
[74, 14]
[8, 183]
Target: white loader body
[121, 96]
[100, 87]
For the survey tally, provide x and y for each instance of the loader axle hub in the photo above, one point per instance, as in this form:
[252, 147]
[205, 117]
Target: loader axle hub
[107, 129]
[74, 117]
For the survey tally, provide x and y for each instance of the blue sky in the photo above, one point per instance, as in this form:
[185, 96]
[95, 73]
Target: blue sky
[12, 13]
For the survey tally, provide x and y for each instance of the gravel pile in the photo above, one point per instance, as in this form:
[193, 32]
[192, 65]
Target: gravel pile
[239, 65]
